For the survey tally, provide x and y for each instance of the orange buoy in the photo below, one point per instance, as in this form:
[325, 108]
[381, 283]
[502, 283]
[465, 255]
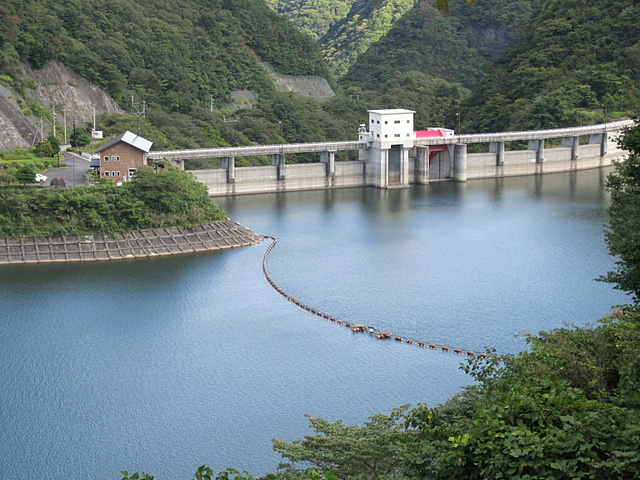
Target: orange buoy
[470, 353]
[432, 345]
[421, 344]
[444, 349]
[457, 350]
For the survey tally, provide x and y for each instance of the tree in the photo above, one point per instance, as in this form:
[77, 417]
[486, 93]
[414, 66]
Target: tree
[538, 415]
[349, 451]
[80, 137]
[623, 234]
[25, 175]
[55, 145]
[7, 179]
[520, 427]
[44, 148]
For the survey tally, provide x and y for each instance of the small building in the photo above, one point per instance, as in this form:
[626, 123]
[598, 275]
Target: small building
[392, 127]
[121, 156]
[389, 140]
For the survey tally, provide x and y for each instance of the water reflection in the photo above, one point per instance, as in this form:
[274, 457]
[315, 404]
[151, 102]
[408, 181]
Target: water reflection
[166, 363]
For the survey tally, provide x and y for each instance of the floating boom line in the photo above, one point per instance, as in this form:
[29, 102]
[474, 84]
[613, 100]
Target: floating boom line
[380, 334]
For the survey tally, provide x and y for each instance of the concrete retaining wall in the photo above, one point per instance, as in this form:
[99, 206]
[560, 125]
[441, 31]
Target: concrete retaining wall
[145, 243]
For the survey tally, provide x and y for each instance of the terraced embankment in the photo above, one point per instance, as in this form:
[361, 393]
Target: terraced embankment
[139, 244]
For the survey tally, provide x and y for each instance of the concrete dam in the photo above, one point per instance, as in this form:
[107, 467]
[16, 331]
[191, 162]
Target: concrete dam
[392, 155]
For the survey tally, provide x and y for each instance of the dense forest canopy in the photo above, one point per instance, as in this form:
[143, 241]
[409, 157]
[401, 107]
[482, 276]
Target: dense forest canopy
[344, 28]
[314, 16]
[173, 54]
[579, 65]
[365, 24]
[458, 47]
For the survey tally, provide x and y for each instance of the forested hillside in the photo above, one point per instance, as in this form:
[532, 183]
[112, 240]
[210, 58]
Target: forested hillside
[313, 16]
[176, 56]
[458, 47]
[344, 28]
[580, 65]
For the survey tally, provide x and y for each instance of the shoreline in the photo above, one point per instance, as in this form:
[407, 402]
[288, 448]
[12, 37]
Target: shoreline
[137, 244]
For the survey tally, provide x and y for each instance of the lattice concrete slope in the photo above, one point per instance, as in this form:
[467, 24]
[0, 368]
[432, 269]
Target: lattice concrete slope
[146, 243]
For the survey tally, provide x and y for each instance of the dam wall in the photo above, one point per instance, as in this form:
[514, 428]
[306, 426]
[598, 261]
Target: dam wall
[314, 176]
[300, 176]
[393, 155]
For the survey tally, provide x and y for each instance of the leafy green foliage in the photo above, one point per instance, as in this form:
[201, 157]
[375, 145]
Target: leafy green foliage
[314, 16]
[603, 362]
[623, 235]
[79, 137]
[578, 65]
[7, 178]
[349, 451]
[25, 175]
[366, 22]
[568, 408]
[135, 476]
[153, 200]
[457, 48]
[523, 428]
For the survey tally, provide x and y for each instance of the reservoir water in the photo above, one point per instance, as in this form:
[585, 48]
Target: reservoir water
[163, 364]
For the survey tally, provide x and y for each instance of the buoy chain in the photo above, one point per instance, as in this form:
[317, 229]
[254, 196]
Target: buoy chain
[381, 334]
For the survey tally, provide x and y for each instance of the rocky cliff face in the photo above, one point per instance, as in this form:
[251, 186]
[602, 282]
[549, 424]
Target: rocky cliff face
[55, 85]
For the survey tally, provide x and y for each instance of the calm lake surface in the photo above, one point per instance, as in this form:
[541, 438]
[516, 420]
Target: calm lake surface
[163, 364]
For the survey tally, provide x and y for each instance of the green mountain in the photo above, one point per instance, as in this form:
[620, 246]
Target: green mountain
[579, 65]
[344, 28]
[173, 53]
[459, 47]
[314, 16]
[183, 59]
[365, 24]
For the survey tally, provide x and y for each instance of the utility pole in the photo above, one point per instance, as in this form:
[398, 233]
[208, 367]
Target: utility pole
[73, 160]
[212, 103]
[64, 121]
[54, 119]
[137, 113]
[93, 105]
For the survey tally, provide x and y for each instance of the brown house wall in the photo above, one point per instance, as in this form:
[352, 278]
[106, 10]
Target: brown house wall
[130, 157]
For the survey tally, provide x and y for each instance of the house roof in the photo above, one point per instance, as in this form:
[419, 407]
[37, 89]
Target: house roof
[130, 138]
[428, 133]
[391, 111]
